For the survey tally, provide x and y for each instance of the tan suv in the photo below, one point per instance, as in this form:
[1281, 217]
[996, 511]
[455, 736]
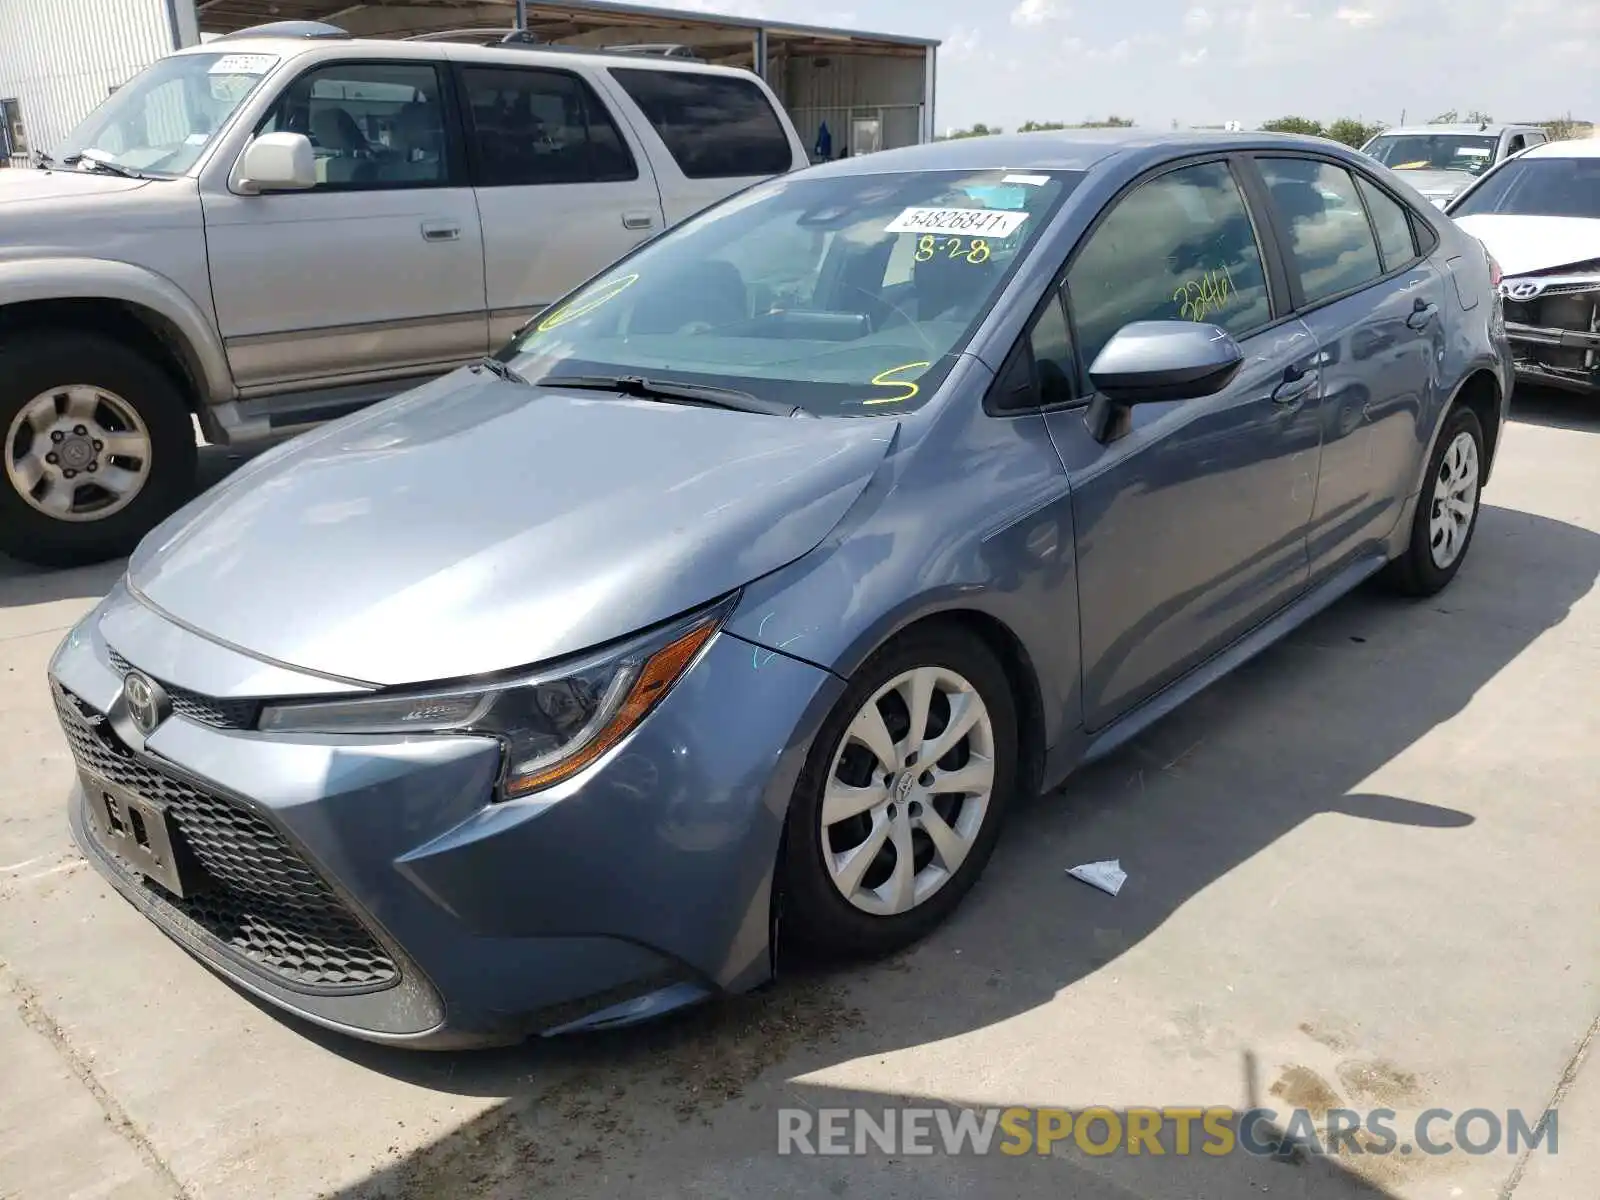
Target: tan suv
[284, 225]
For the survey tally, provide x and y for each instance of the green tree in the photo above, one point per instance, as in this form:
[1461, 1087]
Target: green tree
[1563, 128]
[1478, 117]
[1352, 131]
[1111, 122]
[1448, 117]
[1294, 125]
[978, 130]
[1040, 126]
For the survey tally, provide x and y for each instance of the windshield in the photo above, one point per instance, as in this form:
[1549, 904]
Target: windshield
[845, 296]
[1472, 153]
[1537, 187]
[161, 121]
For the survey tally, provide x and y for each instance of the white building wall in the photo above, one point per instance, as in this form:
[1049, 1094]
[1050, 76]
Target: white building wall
[60, 58]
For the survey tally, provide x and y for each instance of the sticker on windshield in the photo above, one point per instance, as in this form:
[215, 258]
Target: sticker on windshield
[987, 221]
[243, 64]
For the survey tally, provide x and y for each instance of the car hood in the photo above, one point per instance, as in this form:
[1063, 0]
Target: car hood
[1522, 244]
[1434, 184]
[477, 525]
[26, 184]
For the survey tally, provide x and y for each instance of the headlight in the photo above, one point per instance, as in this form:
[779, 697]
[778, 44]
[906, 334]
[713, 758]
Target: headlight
[552, 725]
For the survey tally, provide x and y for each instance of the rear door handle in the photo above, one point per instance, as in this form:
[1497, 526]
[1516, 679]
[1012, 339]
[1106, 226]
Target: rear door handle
[440, 231]
[638, 220]
[1421, 313]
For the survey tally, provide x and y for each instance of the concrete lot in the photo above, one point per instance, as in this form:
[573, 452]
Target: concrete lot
[1362, 872]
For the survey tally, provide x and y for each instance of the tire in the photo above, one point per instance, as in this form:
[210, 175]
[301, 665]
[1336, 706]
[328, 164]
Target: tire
[99, 386]
[815, 911]
[1419, 571]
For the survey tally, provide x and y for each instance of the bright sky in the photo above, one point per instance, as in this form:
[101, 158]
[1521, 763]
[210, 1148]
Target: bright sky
[1007, 61]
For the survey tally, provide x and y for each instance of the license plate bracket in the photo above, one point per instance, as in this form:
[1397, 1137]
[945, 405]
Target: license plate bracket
[143, 834]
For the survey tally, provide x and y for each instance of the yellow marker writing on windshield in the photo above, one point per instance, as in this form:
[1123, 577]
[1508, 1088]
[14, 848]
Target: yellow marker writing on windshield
[886, 379]
[584, 305]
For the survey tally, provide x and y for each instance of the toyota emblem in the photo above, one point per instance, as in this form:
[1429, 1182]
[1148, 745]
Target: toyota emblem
[147, 702]
[1522, 289]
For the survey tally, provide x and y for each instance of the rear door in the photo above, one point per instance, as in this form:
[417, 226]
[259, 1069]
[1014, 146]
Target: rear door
[377, 272]
[563, 190]
[1376, 308]
[713, 133]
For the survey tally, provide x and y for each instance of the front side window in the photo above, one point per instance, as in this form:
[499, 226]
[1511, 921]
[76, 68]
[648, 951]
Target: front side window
[1537, 187]
[1178, 248]
[162, 120]
[1330, 240]
[1472, 153]
[715, 126]
[371, 125]
[535, 127]
[1393, 225]
[847, 296]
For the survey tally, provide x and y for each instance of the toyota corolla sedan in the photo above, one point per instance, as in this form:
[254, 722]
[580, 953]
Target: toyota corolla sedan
[745, 591]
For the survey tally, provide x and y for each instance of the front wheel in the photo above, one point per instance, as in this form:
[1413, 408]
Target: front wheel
[1447, 509]
[903, 795]
[98, 448]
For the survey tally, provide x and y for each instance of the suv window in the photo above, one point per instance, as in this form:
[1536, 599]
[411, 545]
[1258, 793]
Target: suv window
[1516, 144]
[1393, 225]
[1331, 242]
[537, 126]
[1180, 247]
[715, 126]
[372, 125]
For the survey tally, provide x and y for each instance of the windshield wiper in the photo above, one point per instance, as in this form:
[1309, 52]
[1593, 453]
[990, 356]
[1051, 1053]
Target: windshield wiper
[666, 389]
[498, 369]
[101, 164]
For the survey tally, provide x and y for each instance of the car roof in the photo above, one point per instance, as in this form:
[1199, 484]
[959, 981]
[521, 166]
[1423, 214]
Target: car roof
[1065, 150]
[1576, 148]
[1460, 127]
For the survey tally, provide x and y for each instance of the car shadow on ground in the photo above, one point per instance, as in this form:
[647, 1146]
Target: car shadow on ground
[1293, 736]
[1556, 409]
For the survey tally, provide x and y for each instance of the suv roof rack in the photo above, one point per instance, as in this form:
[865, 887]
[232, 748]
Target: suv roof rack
[288, 29]
[479, 37]
[522, 39]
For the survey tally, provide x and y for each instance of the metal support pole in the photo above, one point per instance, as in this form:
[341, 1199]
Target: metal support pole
[761, 53]
[930, 87]
[522, 16]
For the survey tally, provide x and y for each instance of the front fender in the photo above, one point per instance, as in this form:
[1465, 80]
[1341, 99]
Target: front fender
[35, 279]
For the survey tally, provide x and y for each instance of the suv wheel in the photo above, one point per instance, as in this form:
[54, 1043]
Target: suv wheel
[98, 448]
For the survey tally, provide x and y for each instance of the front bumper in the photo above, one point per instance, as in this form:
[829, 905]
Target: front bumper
[373, 886]
[1555, 336]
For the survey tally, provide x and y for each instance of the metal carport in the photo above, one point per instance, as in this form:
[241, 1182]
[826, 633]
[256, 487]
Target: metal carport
[846, 79]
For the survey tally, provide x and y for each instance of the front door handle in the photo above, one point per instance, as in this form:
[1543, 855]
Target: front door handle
[440, 231]
[1295, 387]
[638, 220]
[1421, 313]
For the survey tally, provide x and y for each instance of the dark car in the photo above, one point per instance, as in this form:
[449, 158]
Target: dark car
[762, 573]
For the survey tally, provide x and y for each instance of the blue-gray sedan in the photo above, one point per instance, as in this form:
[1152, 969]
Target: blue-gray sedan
[746, 589]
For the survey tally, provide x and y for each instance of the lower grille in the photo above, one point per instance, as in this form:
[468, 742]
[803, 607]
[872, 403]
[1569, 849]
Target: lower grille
[264, 903]
[1573, 311]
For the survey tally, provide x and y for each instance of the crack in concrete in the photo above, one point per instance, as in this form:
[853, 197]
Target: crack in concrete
[32, 1011]
[1563, 1086]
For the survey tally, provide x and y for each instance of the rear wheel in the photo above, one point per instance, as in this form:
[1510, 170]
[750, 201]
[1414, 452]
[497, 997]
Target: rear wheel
[903, 796]
[1447, 510]
[98, 448]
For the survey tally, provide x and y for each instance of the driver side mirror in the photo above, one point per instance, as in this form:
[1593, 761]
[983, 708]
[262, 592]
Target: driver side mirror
[277, 162]
[1149, 361]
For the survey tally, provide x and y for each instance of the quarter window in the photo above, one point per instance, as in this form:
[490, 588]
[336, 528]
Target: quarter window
[1331, 241]
[1180, 247]
[1393, 225]
[536, 127]
[371, 125]
[715, 126]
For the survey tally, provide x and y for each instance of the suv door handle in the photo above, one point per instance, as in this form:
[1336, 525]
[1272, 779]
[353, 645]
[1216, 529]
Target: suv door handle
[1421, 313]
[440, 231]
[638, 220]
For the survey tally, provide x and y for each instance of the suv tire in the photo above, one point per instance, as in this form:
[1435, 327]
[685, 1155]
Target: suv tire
[77, 409]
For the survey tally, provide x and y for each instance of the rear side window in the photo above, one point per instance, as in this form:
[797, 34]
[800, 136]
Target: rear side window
[537, 127]
[1393, 225]
[1330, 240]
[1178, 248]
[715, 126]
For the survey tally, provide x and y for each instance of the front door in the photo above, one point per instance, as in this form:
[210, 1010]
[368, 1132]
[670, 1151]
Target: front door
[377, 272]
[1191, 523]
[1376, 308]
[562, 192]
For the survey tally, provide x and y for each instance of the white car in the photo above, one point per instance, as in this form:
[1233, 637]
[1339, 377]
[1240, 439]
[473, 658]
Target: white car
[1539, 216]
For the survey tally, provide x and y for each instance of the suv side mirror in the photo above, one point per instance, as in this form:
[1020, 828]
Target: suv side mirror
[1147, 361]
[278, 162]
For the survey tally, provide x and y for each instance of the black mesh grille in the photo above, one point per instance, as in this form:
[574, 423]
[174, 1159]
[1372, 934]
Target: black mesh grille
[207, 710]
[265, 902]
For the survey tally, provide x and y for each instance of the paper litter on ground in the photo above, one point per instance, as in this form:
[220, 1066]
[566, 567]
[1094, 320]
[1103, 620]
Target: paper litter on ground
[1108, 875]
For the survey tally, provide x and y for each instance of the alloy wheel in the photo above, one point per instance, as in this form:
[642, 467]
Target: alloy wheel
[908, 791]
[1455, 500]
[77, 453]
